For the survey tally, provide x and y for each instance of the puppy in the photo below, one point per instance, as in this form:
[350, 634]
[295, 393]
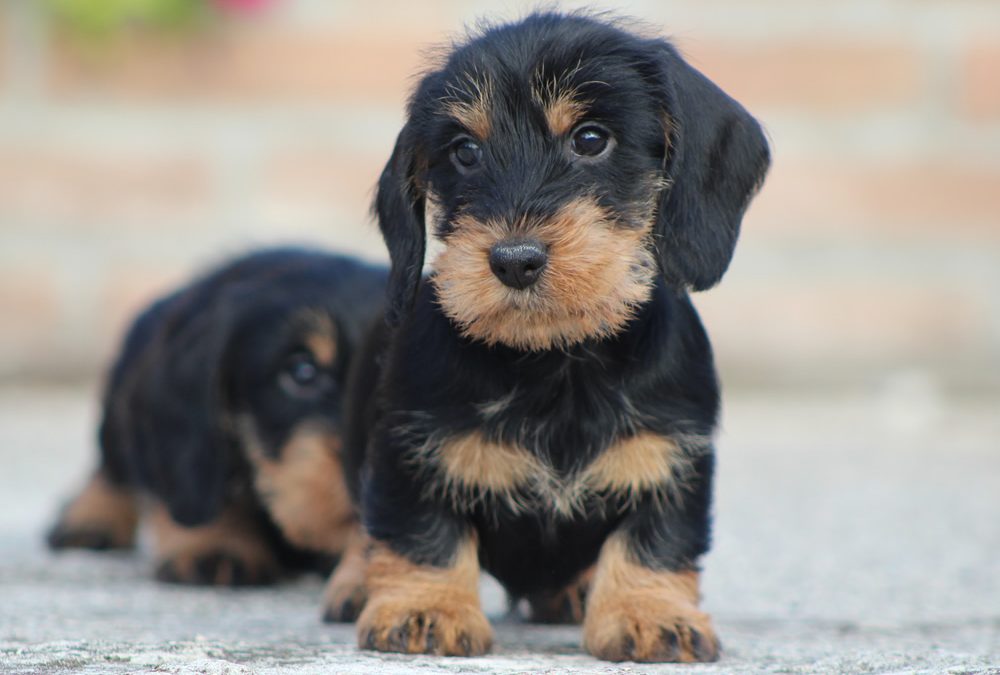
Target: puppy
[222, 421]
[546, 399]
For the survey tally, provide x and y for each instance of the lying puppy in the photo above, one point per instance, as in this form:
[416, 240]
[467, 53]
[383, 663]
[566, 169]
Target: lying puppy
[546, 400]
[224, 409]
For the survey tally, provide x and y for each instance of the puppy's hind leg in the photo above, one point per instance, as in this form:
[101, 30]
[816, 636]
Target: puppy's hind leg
[565, 605]
[103, 516]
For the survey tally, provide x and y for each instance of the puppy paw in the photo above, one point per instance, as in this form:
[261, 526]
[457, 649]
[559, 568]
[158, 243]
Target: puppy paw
[92, 536]
[443, 628]
[101, 518]
[678, 635]
[218, 568]
[343, 600]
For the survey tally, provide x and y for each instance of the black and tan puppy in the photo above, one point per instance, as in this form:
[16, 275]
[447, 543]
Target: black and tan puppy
[546, 399]
[222, 421]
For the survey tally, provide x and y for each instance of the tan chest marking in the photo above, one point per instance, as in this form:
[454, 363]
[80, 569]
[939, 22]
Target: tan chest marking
[476, 470]
[646, 461]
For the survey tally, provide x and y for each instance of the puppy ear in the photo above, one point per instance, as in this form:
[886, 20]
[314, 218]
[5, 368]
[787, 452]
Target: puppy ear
[399, 207]
[178, 427]
[716, 159]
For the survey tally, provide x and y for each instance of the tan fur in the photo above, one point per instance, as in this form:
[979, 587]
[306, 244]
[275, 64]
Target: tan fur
[561, 103]
[563, 112]
[304, 488]
[566, 605]
[471, 463]
[469, 104]
[233, 534]
[345, 592]
[643, 462]
[638, 614]
[419, 609]
[323, 346]
[599, 271]
[101, 509]
[472, 469]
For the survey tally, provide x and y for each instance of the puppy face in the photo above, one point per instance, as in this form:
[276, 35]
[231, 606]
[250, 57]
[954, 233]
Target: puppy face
[544, 188]
[285, 374]
[563, 163]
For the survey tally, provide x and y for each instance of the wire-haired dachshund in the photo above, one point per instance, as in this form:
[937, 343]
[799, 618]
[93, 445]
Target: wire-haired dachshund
[542, 405]
[222, 421]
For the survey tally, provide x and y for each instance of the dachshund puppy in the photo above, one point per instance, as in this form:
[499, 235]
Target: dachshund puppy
[222, 421]
[545, 401]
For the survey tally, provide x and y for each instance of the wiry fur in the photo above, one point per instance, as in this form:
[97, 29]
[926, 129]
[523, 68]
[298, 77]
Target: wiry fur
[561, 422]
[204, 420]
[597, 274]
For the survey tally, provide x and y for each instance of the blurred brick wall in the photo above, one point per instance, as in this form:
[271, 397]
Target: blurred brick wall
[872, 254]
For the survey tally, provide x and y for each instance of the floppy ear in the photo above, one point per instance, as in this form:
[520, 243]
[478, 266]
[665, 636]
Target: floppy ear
[399, 207]
[717, 157]
[176, 422]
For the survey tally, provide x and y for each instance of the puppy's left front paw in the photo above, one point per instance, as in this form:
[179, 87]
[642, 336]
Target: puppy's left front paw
[637, 632]
[444, 628]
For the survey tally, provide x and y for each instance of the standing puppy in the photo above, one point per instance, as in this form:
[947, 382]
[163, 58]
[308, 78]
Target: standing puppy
[546, 400]
[222, 416]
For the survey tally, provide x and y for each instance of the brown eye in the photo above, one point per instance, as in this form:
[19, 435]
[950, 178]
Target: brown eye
[466, 154]
[590, 140]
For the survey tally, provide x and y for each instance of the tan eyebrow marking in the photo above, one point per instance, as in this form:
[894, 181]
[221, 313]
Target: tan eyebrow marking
[470, 104]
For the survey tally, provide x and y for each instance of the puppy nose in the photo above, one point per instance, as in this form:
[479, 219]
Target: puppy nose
[518, 264]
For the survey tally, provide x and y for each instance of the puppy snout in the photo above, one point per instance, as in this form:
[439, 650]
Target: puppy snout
[518, 264]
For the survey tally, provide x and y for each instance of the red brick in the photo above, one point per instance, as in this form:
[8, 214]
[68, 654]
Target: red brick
[88, 188]
[980, 82]
[913, 199]
[857, 319]
[323, 178]
[30, 311]
[245, 64]
[127, 288]
[834, 77]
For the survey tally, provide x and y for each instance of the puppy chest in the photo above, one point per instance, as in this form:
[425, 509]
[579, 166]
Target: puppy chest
[473, 472]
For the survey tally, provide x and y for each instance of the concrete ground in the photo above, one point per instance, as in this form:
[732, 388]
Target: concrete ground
[854, 534]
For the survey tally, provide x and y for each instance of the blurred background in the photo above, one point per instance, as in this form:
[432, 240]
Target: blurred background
[143, 139]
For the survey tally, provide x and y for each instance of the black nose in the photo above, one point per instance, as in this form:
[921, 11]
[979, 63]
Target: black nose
[518, 264]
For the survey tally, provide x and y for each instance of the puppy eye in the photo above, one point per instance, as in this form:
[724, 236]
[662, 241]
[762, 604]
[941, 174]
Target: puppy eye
[590, 140]
[301, 377]
[466, 154]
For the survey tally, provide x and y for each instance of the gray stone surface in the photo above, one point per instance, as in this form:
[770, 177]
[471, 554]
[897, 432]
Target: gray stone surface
[855, 534]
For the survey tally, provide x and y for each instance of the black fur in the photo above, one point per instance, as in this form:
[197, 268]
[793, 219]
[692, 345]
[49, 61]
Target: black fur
[216, 350]
[566, 405]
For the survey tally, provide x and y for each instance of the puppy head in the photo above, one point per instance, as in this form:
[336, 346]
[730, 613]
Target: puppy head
[564, 162]
[238, 362]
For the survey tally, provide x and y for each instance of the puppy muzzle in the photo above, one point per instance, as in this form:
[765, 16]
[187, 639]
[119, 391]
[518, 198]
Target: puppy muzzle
[518, 263]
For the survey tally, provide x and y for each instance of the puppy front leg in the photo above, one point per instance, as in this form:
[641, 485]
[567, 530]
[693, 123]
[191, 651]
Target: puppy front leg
[643, 602]
[418, 605]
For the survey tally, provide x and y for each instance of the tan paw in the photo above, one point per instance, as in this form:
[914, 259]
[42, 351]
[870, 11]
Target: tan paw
[218, 567]
[443, 628]
[102, 517]
[345, 596]
[639, 634]
[347, 592]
